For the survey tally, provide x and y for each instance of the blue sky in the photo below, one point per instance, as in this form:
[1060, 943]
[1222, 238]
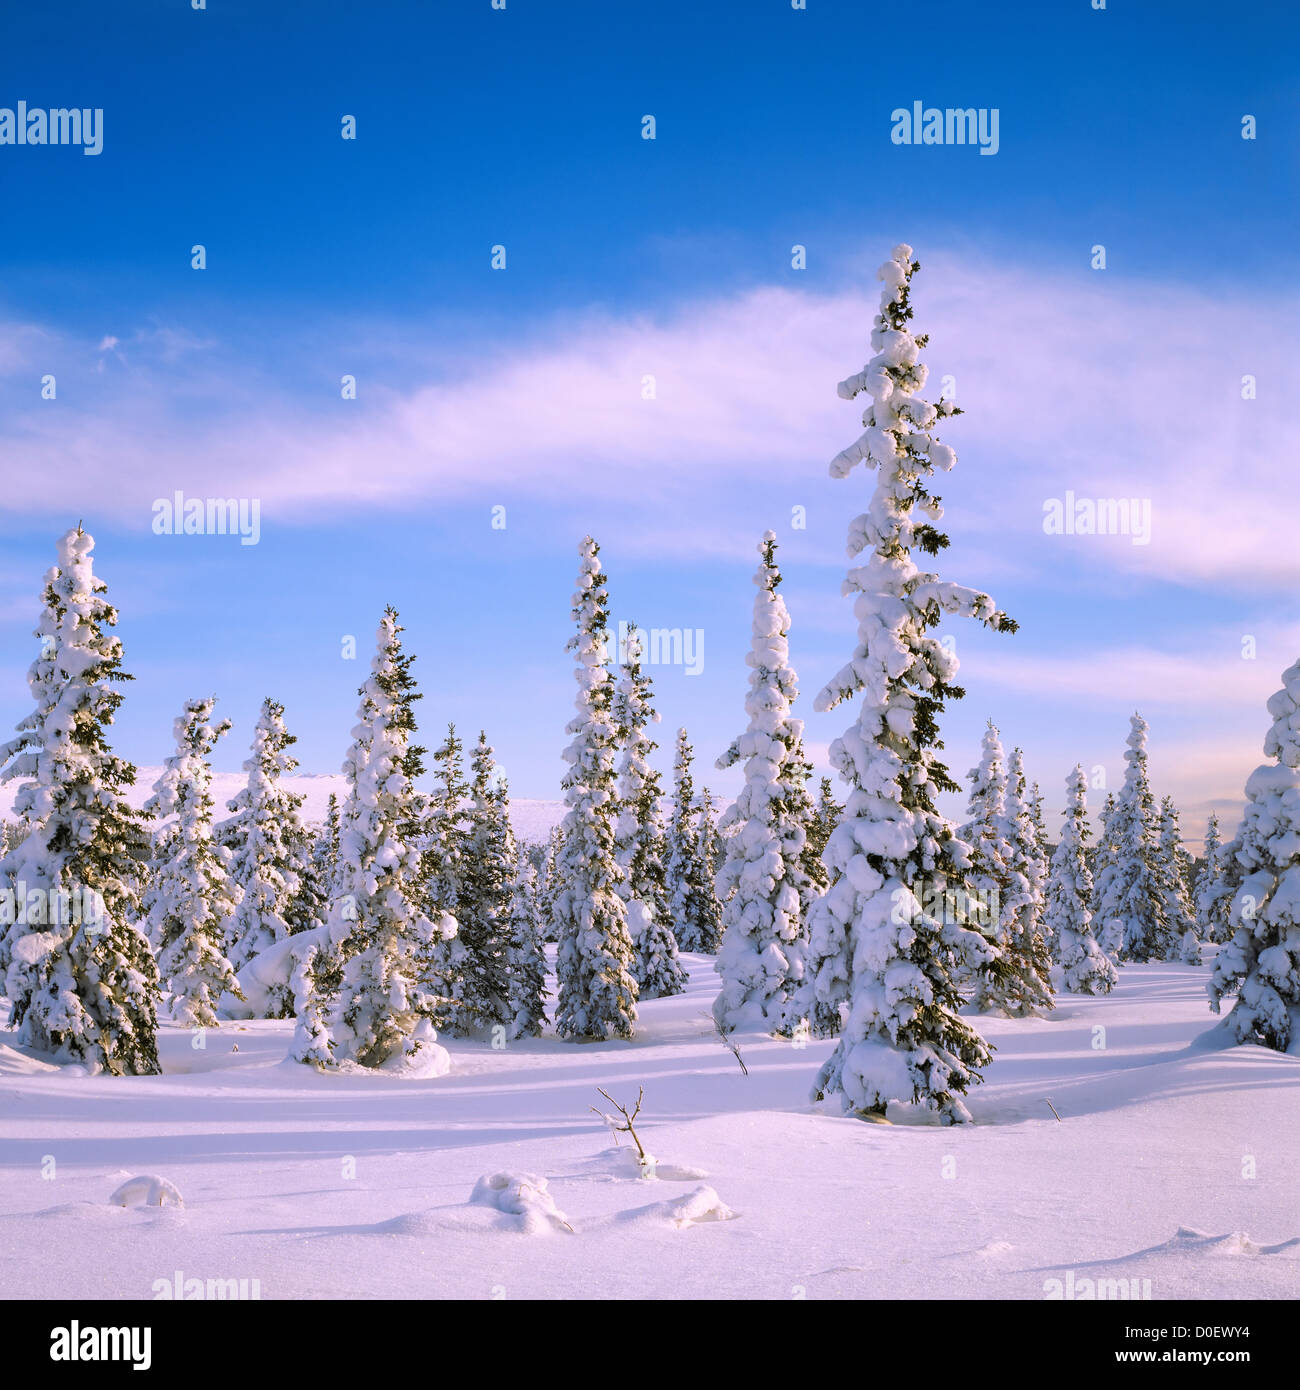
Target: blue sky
[522, 388]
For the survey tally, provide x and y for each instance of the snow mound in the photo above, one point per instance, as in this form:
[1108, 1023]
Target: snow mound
[147, 1190]
[15, 1063]
[1187, 1239]
[628, 1163]
[438, 1220]
[429, 1060]
[83, 1213]
[524, 1197]
[677, 1213]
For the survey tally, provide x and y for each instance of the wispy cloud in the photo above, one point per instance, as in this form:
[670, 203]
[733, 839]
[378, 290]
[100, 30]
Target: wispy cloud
[1095, 385]
[1216, 669]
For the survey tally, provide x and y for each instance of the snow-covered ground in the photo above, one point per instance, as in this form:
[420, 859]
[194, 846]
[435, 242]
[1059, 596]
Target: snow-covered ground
[1171, 1162]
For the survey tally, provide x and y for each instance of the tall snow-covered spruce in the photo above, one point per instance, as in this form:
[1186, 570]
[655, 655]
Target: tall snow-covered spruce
[692, 899]
[271, 858]
[822, 819]
[1004, 882]
[712, 852]
[381, 1014]
[483, 900]
[1024, 950]
[445, 827]
[549, 887]
[1213, 893]
[527, 960]
[81, 977]
[766, 891]
[639, 836]
[1173, 874]
[1081, 965]
[597, 992]
[191, 895]
[1261, 963]
[325, 849]
[874, 950]
[985, 835]
[1130, 903]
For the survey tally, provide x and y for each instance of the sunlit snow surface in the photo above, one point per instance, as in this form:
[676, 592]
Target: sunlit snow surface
[758, 1193]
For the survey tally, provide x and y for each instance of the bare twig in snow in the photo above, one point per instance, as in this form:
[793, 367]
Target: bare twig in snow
[626, 1126]
[730, 1046]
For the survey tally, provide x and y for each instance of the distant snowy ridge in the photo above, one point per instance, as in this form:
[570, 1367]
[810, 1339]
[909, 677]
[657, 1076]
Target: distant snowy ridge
[532, 819]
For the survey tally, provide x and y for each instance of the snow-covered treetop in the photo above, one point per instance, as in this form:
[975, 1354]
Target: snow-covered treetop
[269, 759]
[383, 803]
[899, 600]
[590, 613]
[1137, 740]
[69, 682]
[989, 778]
[182, 790]
[589, 780]
[1283, 739]
[1076, 793]
[772, 734]
[633, 709]
[897, 438]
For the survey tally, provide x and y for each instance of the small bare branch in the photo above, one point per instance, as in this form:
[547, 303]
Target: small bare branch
[628, 1120]
[731, 1047]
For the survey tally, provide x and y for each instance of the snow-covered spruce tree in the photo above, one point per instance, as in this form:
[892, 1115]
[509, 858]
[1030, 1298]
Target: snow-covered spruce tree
[711, 854]
[550, 884]
[1043, 852]
[597, 993]
[1213, 896]
[985, 833]
[1081, 967]
[382, 1013]
[1043, 848]
[325, 850]
[690, 894]
[681, 842]
[1130, 904]
[446, 829]
[191, 895]
[16, 831]
[443, 841]
[10, 836]
[639, 836]
[527, 977]
[271, 855]
[1261, 963]
[1171, 870]
[81, 977]
[1035, 803]
[1024, 950]
[1102, 852]
[822, 817]
[1005, 880]
[873, 948]
[762, 881]
[487, 867]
